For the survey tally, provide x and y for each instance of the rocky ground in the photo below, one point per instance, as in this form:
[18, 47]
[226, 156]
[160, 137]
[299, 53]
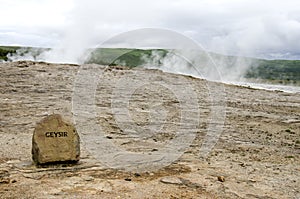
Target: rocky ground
[255, 156]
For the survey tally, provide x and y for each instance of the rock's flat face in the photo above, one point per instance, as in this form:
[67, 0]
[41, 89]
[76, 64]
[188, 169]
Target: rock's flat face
[55, 140]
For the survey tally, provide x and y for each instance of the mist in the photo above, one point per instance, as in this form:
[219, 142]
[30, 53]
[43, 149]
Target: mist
[202, 65]
[268, 30]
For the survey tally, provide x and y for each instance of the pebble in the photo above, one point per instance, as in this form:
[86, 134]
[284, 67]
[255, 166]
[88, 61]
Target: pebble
[171, 180]
[4, 181]
[221, 178]
[87, 178]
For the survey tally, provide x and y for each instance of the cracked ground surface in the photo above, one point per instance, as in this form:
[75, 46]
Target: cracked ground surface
[256, 156]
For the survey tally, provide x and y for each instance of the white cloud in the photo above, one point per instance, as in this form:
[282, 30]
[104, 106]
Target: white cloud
[33, 22]
[31, 13]
[247, 27]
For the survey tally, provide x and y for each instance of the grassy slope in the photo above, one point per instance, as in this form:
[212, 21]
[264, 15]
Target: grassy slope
[285, 70]
[5, 50]
[279, 71]
[121, 56]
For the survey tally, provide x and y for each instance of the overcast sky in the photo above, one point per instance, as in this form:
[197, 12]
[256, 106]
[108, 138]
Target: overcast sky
[261, 28]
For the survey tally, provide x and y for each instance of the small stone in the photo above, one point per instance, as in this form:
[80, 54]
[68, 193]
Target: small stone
[13, 161]
[127, 179]
[221, 178]
[4, 181]
[55, 140]
[171, 180]
[88, 178]
[242, 164]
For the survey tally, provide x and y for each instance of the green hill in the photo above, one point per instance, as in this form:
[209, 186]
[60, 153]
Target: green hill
[288, 71]
[278, 71]
[6, 50]
[122, 56]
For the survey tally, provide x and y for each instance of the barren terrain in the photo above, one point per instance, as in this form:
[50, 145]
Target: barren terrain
[256, 156]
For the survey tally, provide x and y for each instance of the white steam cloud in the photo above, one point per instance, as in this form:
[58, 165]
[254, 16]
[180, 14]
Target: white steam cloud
[204, 65]
[265, 29]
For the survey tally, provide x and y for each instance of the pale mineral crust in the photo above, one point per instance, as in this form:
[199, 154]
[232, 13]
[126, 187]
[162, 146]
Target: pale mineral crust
[256, 156]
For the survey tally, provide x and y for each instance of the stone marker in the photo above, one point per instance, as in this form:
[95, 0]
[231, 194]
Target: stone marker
[55, 140]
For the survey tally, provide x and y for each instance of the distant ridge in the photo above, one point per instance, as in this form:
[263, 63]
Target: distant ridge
[275, 71]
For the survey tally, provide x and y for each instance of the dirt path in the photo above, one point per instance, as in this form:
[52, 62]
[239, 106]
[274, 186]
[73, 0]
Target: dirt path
[256, 156]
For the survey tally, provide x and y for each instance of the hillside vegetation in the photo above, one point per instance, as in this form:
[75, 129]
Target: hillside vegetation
[7, 50]
[277, 71]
